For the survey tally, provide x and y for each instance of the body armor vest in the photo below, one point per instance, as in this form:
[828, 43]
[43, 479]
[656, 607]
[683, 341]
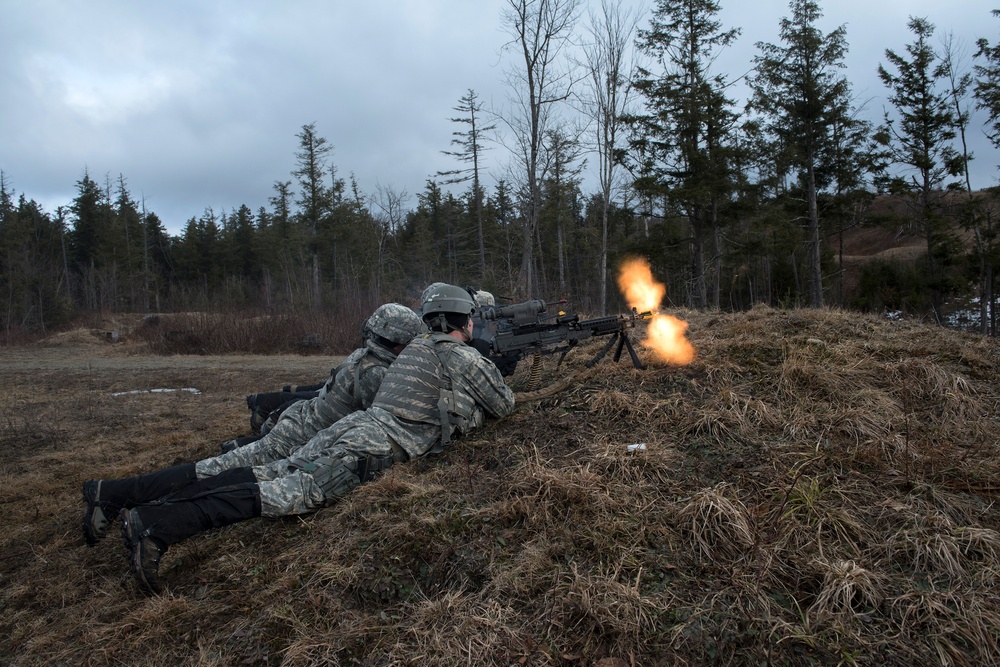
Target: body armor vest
[418, 387]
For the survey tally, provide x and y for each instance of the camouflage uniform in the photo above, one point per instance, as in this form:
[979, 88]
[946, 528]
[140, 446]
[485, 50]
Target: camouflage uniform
[351, 387]
[436, 378]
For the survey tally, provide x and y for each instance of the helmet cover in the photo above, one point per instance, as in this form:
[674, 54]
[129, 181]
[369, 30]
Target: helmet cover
[394, 322]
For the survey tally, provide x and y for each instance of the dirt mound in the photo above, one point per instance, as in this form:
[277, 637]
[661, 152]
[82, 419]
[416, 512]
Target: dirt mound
[78, 337]
[818, 487]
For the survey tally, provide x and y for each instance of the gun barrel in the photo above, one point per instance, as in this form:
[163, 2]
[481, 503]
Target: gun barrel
[612, 323]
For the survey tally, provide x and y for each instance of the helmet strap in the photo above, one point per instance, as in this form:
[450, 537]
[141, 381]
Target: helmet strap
[441, 323]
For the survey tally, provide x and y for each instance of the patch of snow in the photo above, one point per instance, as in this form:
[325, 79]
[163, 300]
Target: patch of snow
[156, 391]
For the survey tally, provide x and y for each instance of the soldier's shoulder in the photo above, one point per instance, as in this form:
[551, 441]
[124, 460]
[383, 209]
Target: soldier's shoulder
[355, 356]
[467, 354]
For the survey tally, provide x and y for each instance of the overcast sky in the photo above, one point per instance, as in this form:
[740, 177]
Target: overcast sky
[197, 103]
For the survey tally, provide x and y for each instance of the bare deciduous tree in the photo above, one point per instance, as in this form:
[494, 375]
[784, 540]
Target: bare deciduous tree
[387, 218]
[609, 76]
[539, 30]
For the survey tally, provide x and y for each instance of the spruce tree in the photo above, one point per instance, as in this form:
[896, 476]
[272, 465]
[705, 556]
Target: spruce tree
[315, 196]
[470, 150]
[919, 140]
[799, 90]
[683, 135]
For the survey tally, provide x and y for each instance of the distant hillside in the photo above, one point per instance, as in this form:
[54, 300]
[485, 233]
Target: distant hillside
[891, 235]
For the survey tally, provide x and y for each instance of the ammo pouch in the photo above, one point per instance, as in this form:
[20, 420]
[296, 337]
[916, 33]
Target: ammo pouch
[367, 468]
[448, 410]
[338, 476]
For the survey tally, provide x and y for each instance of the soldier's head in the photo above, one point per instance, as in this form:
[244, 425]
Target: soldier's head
[484, 298]
[392, 325]
[446, 308]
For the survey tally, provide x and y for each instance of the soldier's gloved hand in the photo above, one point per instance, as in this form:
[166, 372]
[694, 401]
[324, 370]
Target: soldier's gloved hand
[287, 388]
[482, 345]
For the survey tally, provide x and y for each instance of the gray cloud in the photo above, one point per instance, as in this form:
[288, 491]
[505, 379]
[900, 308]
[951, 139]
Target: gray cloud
[197, 104]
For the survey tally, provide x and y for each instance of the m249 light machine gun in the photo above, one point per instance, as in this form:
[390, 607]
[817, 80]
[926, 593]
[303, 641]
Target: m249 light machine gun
[507, 334]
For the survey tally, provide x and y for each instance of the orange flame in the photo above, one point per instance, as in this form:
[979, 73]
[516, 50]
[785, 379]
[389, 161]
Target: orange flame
[665, 334]
[635, 280]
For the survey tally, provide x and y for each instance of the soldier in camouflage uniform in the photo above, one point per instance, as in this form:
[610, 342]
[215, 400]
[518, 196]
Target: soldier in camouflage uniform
[351, 387]
[437, 388]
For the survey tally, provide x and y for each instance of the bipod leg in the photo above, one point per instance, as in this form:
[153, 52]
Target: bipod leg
[631, 352]
[618, 350]
[604, 351]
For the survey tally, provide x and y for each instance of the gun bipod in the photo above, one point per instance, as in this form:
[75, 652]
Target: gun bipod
[623, 342]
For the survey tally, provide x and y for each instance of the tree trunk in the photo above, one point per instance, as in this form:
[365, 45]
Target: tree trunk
[699, 293]
[716, 259]
[604, 258]
[317, 294]
[814, 255]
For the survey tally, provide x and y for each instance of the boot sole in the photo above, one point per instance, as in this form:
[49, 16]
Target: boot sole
[132, 530]
[93, 516]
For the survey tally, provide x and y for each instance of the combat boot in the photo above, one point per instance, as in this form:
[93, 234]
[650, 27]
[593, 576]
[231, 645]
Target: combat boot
[105, 498]
[144, 551]
[149, 530]
[95, 519]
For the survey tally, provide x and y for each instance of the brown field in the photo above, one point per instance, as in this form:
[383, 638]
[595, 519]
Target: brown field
[817, 488]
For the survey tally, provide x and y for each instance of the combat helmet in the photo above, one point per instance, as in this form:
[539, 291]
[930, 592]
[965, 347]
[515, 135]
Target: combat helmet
[393, 322]
[440, 299]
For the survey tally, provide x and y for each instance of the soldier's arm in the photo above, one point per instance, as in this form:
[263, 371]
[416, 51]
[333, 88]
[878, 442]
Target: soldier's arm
[485, 383]
[368, 383]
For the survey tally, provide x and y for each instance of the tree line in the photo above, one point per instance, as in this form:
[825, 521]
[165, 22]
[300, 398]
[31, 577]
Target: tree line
[732, 204]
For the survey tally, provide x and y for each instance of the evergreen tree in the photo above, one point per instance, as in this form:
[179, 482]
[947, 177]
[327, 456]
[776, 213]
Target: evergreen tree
[89, 209]
[470, 149]
[987, 93]
[315, 196]
[6, 198]
[854, 160]
[987, 85]
[128, 234]
[421, 261]
[158, 265]
[502, 211]
[559, 191]
[958, 85]
[920, 142]
[682, 135]
[32, 275]
[799, 89]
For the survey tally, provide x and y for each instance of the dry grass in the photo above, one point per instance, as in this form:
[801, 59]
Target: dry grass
[817, 488]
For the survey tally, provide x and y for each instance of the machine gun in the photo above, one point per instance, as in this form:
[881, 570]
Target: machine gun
[507, 334]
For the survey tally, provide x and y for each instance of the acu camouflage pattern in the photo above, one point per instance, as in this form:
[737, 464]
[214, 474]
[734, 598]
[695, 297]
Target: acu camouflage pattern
[351, 387]
[403, 422]
[433, 366]
[395, 323]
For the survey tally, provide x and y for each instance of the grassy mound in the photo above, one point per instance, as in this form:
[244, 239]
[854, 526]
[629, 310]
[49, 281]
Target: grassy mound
[816, 488]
